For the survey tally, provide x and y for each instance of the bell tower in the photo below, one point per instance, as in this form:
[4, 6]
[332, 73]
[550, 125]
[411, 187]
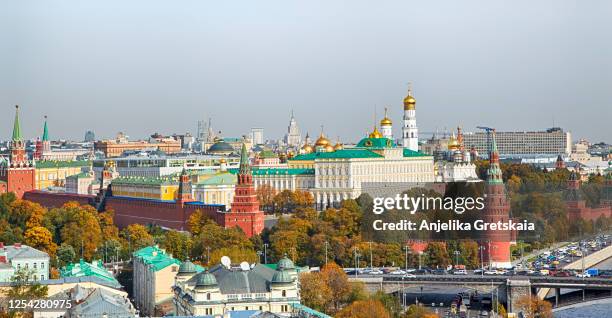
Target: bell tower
[410, 132]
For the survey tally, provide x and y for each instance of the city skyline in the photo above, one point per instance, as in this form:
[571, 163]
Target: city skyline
[160, 68]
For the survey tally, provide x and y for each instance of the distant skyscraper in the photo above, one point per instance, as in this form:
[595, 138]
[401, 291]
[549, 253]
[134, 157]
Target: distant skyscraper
[293, 136]
[257, 136]
[90, 136]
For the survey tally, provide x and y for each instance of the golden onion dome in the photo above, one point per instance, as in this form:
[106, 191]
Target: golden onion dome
[222, 160]
[453, 143]
[338, 146]
[386, 122]
[322, 141]
[375, 133]
[329, 148]
[409, 101]
[307, 148]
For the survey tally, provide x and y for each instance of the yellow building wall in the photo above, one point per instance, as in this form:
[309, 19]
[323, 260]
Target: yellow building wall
[157, 192]
[54, 177]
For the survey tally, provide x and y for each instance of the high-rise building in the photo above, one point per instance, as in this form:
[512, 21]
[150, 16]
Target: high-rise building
[496, 243]
[18, 174]
[257, 136]
[410, 132]
[553, 141]
[293, 136]
[90, 136]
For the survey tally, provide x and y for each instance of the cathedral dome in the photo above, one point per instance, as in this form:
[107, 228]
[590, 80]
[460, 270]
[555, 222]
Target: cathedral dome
[409, 101]
[329, 148]
[221, 147]
[322, 141]
[307, 148]
[386, 122]
[453, 143]
[338, 146]
[186, 268]
[281, 276]
[285, 263]
[375, 133]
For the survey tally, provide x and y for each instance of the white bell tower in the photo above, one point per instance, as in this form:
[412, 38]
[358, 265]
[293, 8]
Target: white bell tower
[410, 132]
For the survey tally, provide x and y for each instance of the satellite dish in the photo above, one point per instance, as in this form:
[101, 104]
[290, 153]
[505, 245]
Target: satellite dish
[245, 266]
[252, 265]
[226, 261]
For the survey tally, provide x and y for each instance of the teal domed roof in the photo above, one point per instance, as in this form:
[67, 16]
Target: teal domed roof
[187, 267]
[282, 277]
[285, 263]
[376, 143]
[221, 147]
[206, 279]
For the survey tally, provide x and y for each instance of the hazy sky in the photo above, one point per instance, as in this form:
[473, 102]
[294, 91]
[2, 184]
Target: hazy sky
[147, 66]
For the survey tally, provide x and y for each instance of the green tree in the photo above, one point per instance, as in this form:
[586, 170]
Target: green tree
[65, 255]
[178, 244]
[25, 286]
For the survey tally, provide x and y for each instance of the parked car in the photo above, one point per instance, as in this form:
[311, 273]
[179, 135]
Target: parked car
[460, 272]
[409, 276]
[397, 272]
[376, 272]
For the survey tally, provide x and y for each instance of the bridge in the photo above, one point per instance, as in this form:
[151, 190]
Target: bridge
[509, 288]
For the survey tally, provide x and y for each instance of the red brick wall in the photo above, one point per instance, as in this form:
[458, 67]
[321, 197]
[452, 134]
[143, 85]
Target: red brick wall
[166, 214]
[56, 200]
[20, 180]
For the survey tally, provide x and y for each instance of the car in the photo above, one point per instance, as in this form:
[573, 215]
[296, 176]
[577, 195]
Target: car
[397, 272]
[583, 275]
[409, 276]
[490, 272]
[478, 271]
[376, 272]
[460, 272]
[422, 271]
[440, 271]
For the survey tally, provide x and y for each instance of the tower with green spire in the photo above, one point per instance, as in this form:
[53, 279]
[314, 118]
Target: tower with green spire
[19, 174]
[245, 212]
[496, 243]
[16, 126]
[45, 136]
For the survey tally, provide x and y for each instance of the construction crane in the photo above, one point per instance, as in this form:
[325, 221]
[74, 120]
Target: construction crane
[488, 130]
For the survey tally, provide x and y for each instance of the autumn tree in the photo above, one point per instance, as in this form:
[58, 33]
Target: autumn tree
[416, 311]
[265, 196]
[338, 283]
[137, 237]
[76, 225]
[314, 291]
[236, 254]
[534, 307]
[176, 243]
[40, 238]
[65, 255]
[437, 254]
[364, 309]
[469, 253]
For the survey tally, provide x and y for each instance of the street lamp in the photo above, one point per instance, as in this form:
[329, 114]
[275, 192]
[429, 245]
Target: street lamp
[326, 244]
[370, 255]
[457, 253]
[481, 248]
[420, 253]
[406, 248]
[266, 253]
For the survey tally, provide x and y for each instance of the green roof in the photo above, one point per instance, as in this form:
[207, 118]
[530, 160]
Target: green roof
[62, 164]
[219, 179]
[83, 268]
[80, 176]
[277, 171]
[267, 154]
[16, 126]
[412, 153]
[155, 257]
[376, 143]
[166, 180]
[339, 154]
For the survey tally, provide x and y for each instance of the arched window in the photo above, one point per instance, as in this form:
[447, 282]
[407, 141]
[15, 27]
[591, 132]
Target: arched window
[284, 293]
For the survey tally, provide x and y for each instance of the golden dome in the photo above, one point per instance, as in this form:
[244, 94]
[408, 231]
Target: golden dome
[409, 101]
[338, 146]
[375, 133]
[453, 143]
[307, 148]
[329, 148]
[222, 160]
[322, 141]
[386, 121]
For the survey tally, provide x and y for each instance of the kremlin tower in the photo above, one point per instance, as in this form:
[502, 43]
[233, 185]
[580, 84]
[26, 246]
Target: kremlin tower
[410, 132]
[496, 244]
[245, 211]
[44, 145]
[17, 175]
